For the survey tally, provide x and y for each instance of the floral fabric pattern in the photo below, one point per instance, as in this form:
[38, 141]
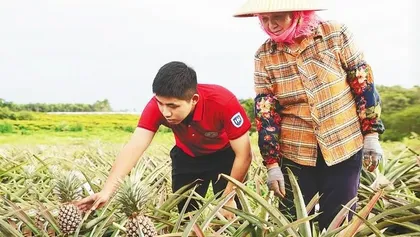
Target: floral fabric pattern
[367, 98]
[267, 121]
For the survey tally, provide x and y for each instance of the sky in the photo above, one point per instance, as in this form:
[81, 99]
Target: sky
[81, 51]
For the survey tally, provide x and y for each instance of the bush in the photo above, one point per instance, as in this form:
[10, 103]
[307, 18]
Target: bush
[129, 129]
[402, 123]
[25, 132]
[6, 128]
[25, 115]
[6, 113]
[392, 135]
[76, 127]
[63, 127]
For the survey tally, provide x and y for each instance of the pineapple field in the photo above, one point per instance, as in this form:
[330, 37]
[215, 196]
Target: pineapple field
[41, 180]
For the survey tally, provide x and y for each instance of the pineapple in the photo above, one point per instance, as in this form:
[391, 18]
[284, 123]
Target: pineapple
[68, 189]
[40, 221]
[132, 198]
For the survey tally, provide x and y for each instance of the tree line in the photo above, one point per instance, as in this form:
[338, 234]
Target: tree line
[400, 110]
[98, 106]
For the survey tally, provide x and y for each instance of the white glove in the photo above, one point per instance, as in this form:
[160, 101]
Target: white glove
[275, 181]
[372, 152]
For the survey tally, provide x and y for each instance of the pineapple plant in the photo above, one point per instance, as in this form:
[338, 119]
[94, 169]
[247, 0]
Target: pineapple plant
[68, 189]
[132, 197]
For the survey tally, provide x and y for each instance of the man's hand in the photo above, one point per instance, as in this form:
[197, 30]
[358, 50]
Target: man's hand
[125, 161]
[227, 214]
[275, 181]
[372, 152]
[94, 201]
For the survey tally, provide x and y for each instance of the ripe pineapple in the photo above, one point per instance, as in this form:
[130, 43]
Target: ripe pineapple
[68, 189]
[132, 197]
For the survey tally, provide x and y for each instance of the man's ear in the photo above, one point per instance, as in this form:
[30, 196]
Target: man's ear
[195, 98]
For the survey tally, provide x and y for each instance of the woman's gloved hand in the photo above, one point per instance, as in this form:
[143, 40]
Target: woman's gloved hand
[372, 152]
[275, 181]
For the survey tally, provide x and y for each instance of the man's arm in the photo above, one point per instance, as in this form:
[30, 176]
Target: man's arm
[128, 157]
[125, 161]
[242, 148]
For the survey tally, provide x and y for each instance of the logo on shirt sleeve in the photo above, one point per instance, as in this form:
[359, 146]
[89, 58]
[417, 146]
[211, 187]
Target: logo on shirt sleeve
[237, 120]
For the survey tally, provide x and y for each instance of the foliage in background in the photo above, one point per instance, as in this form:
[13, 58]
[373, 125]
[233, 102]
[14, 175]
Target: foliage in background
[400, 114]
[98, 106]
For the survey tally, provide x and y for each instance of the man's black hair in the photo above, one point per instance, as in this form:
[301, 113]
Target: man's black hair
[175, 79]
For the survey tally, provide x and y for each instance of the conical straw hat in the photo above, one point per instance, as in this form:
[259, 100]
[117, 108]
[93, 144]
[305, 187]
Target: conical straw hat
[252, 7]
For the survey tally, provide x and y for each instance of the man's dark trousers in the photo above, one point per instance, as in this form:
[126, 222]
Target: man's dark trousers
[187, 169]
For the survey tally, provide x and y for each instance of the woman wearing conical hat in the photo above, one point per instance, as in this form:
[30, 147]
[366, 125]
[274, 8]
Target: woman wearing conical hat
[317, 109]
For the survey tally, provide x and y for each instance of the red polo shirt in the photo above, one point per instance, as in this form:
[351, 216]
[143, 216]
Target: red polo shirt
[217, 118]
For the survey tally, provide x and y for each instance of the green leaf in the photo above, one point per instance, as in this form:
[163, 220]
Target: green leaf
[301, 212]
[275, 214]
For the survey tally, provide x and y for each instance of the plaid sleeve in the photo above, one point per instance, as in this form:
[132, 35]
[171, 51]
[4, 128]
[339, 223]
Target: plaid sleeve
[267, 118]
[262, 83]
[360, 79]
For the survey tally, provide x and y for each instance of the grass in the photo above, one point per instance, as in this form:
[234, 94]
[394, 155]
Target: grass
[66, 137]
[53, 129]
[69, 123]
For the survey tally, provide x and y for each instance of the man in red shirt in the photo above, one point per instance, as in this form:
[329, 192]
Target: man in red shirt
[211, 133]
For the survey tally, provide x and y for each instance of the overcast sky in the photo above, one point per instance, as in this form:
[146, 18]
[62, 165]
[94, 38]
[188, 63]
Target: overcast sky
[80, 51]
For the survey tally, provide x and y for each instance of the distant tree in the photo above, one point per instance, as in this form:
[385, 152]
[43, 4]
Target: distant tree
[102, 106]
[248, 105]
[402, 123]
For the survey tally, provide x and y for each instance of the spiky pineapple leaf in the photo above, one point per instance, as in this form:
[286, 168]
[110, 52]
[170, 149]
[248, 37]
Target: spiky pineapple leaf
[275, 214]
[194, 219]
[389, 222]
[67, 187]
[372, 227]
[132, 196]
[24, 218]
[356, 222]
[311, 205]
[229, 224]
[301, 211]
[175, 198]
[99, 229]
[182, 213]
[341, 215]
[8, 230]
[215, 210]
[396, 210]
[252, 219]
[49, 217]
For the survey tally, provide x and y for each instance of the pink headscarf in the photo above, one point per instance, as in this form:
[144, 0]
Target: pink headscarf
[303, 23]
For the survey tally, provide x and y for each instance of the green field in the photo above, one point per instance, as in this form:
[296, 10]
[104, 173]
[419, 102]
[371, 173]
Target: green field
[60, 129]
[36, 153]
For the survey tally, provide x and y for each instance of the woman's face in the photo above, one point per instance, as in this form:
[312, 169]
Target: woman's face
[276, 22]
